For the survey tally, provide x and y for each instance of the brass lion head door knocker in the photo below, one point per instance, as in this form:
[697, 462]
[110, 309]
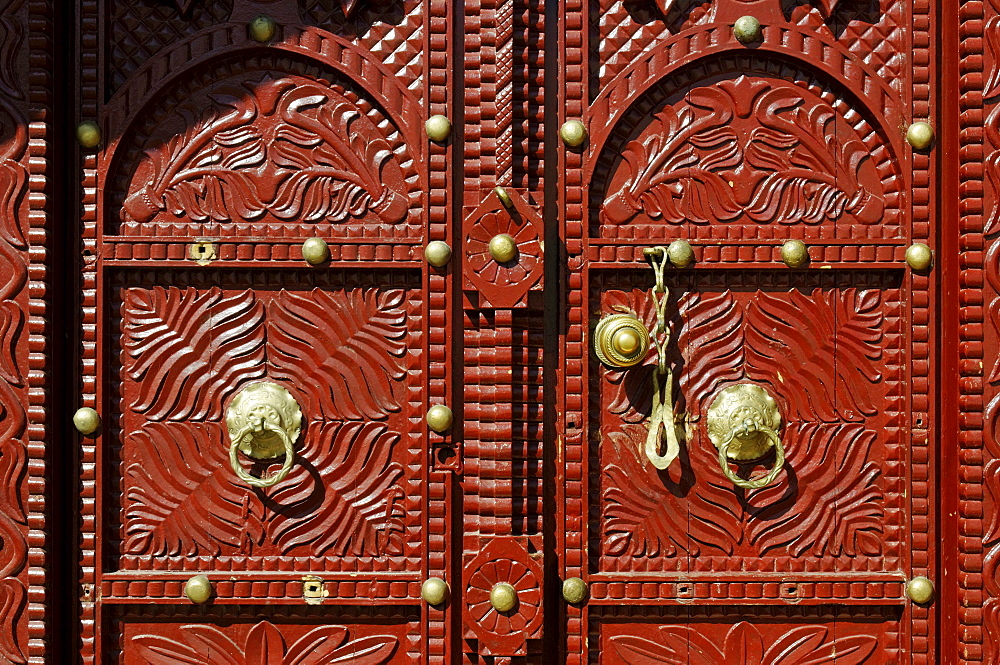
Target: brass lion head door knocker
[264, 421]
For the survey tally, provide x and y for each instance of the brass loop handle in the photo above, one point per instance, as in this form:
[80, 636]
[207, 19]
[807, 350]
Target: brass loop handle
[274, 478]
[752, 483]
[264, 421]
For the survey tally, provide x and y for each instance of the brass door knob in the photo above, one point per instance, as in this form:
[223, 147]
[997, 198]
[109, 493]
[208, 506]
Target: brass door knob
[621, 340]
[743, 423]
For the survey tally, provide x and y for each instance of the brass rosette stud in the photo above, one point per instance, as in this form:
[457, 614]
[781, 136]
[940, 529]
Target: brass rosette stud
[747, 30]
[920, 135]
[315, 251]
[437, 253]
[263, 29]
[86, 420]
[574, 590]
[438, 128]
[919, 256]
[573, 133]
[503, 248]
[503, 597]
[621, 340]
[198, 589]
[439, 418]
[88, 134]
[920, 590]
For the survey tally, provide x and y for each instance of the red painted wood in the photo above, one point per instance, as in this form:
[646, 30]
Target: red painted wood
[212, 137]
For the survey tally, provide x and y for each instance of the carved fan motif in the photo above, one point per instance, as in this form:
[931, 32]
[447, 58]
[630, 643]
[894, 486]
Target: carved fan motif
[286, 148]
[264, 645]
[746, 644]
[746, 150]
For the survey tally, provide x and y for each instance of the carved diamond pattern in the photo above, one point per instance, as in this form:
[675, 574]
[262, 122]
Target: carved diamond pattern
[138, 30]
[392, 30]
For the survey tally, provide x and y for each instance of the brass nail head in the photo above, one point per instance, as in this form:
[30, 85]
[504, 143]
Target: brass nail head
[574, 590]
[920, 590]
[315, 251]
[918, 256]
[794, 253]
[88, 134]
[438, 128]
[437, 253]
[504, 197]
[680, 254]
[747, 30]
[503, 248]
[434, 591]
[920, 135]
[263, 28]
[198, 589]
[503, 597]
[86, 420]
[439, 418]
[573, 133]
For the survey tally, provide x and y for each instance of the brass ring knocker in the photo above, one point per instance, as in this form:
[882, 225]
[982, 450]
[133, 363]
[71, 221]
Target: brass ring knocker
[743, 424]
[264, 421]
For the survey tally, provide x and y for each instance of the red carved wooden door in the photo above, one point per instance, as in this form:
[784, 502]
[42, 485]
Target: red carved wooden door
[776, 155]
[356, 395]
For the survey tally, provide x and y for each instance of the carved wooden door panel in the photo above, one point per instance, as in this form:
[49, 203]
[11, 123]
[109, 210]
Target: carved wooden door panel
[263, 336]
[768, 150]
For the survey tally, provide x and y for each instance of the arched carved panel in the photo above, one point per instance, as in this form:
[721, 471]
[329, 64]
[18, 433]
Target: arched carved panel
[746, 150]
[266, 147]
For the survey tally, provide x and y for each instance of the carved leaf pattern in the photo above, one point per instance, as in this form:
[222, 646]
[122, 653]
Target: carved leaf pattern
[747, 148]
[829, 500]
[344, 349]
[182, 497]
[745, 645]
[794, 343]
[264, 645]
[284, 147]
[344, 496]
[188, 351]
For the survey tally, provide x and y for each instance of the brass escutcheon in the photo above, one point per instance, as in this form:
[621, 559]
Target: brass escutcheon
[621, 340]
[743, 423]
[264, 421]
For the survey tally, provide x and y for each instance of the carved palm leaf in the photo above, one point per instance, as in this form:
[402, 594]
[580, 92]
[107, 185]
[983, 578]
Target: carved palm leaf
[745, 645]
[13, 601]
[182, 497]
[264, 645]
[342, 349]
[837, 508]
[345, 496]
[188, 351]
[795, 344]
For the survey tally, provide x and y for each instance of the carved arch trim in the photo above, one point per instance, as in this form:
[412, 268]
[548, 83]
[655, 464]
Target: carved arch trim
[402, 107]
[618, 98]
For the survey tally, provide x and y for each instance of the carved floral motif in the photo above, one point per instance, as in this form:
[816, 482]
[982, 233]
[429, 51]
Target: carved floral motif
[746, 149]
[747, 644]
[285, 148]
[834, 502]
[264, 645]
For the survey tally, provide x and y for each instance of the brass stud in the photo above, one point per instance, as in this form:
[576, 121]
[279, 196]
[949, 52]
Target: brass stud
[198, 589]
[504, 197]
[918, 256]
[747, 30]
[573, 133]
[621, 340]
[574, 590]
[920, 135]
[88, 134]
[794, 253]
[680, 254]
[503, 248]
[86, 420]
[315, 251]
[503, 597]
[434, 591]
[439, 418]
[920, 590]
[437, 253]
[263, 28]
[438, 128]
